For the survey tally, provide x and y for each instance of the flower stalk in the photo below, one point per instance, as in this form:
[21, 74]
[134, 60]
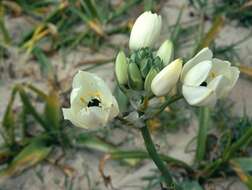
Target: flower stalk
[202, 133]
[157, 160]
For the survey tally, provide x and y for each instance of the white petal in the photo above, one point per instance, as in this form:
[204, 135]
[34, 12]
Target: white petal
[199, 96]
[219, 84]
[145, 31]
[68, 114]
[224, 68]
[204, 54]
[114, 110]
[221, 67]
[167, 78]
[235, 72]
[94, 117]
[92, 85]
[198, 74]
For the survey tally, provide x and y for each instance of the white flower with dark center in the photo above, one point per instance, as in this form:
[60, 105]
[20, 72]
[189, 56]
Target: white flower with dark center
[145, 31]
[206, 79]
[92, 103]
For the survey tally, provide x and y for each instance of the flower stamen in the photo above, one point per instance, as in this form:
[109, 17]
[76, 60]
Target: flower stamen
[94, 103]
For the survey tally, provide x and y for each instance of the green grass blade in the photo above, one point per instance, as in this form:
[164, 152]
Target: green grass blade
[28, 157]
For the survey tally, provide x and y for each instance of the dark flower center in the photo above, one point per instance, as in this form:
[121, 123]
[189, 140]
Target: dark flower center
[203, 83]
[94, 103]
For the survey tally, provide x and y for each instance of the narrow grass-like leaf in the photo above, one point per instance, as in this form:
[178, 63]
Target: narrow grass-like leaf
[191, 185]
[212, 33]
[30, 108]
[28, 157]
[3, 29]
[9, 120]
[244, 162]
[243, 175]
[5, 154]
[45, 64]
[52, 110]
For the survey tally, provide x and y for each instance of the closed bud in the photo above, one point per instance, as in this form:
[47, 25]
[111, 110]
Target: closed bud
[167, 78]
[147, 83]
[135, 78]
[165, 52]
[145, 31]
[121, 68]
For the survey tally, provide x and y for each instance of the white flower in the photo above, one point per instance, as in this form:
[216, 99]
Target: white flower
[167, 78]
[205, 79]
[145, 31]
[92, 103]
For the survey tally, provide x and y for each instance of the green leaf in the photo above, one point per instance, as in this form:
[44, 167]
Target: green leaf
[93, 142]
[28, 157]
[245, 163]
[122, 99]
[45, 64]
[135, 78]
[88, 141]
[30, 108]
[191, 185]
[243, 175]
[150, 76]
[9, 120]
[212, 33]
[149, 5]
[3, 29]
[52, 110]
[5, 154]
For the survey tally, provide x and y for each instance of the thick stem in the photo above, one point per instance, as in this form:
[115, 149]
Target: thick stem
[202, 134]
[157, 160]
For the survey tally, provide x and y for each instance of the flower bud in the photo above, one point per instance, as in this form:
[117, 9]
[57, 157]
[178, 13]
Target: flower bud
[165, 52]
[150, 76]
[145, 31]
[167, 78]
[121, 68]
[135, 78]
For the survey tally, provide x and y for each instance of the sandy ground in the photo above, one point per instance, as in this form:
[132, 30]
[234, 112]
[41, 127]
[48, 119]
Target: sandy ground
[85, 162]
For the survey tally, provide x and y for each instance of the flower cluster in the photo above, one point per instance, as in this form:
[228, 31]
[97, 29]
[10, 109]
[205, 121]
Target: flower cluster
[202, 80]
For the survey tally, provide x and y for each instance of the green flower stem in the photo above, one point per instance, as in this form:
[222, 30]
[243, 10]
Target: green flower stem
[202, 133]
[247, 137]
[139, 154]
[157, 160]
[167, 103]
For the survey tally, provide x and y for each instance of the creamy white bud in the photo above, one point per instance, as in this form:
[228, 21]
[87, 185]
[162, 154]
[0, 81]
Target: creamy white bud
[121, 68]
[167, 78]
[145, 31]
[165, 52]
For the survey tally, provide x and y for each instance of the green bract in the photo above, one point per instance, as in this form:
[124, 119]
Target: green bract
[147, 84]
[135, 78]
